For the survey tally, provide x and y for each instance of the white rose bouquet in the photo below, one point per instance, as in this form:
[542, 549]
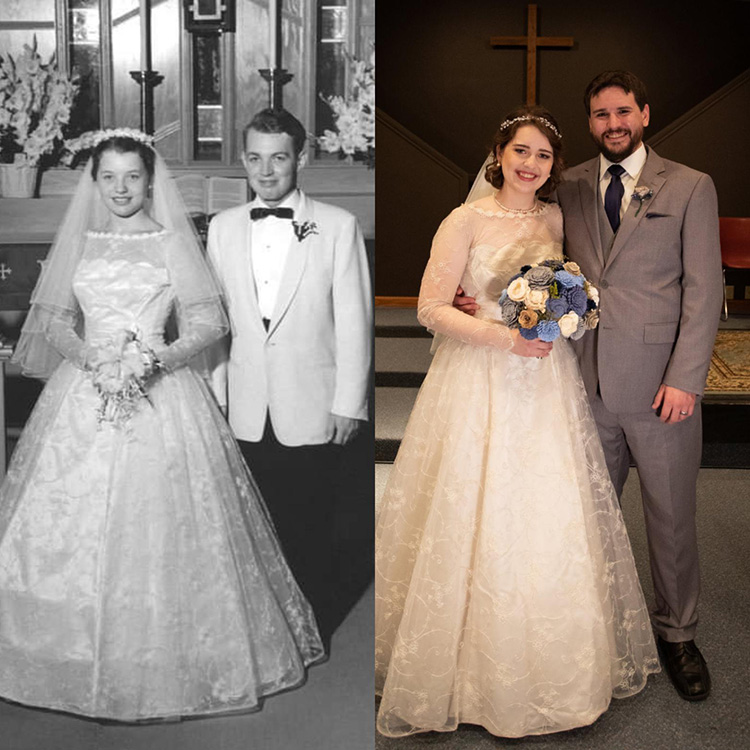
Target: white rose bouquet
[119, 371]
[549, 300]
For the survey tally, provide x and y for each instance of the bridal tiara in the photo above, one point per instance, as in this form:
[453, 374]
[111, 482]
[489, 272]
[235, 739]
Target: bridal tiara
[531, 118]
[93, 138]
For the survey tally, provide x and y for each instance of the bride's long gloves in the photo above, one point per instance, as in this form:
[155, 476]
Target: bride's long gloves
[200, 324]
[61, 334]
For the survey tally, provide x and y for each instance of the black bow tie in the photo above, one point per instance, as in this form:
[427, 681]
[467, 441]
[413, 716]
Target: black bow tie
[261, 213]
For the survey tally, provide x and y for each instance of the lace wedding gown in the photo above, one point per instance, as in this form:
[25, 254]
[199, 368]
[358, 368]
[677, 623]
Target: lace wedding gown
[140, 576]
[506, 592]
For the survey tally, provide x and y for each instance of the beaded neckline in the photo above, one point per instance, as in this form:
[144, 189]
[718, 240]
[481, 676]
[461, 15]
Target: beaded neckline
[126, 235]
[537, 210]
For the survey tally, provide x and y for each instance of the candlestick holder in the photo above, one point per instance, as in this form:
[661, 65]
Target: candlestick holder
[276, 79]
[147, 80]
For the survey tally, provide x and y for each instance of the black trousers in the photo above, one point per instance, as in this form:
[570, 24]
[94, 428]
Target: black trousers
[300, 486]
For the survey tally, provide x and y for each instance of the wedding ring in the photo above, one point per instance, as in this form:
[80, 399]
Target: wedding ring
[684, 413]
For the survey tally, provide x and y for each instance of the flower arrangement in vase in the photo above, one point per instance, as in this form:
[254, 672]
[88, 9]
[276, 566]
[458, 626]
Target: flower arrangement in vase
[354, 116]
[35, 104]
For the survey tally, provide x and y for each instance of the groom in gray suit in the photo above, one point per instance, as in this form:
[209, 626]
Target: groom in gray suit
[645, 231]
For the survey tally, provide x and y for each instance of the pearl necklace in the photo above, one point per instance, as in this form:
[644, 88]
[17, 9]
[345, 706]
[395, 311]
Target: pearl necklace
[517, 210]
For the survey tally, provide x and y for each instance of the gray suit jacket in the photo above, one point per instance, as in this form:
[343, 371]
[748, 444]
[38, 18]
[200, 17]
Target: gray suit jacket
[660, 287]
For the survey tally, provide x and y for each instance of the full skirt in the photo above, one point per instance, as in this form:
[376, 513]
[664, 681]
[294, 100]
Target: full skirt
[140, 575]
[506, 591]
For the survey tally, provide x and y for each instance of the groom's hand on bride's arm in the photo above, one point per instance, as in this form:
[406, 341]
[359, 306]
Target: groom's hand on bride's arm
[672, 404]
[344, 428]
[463, 303]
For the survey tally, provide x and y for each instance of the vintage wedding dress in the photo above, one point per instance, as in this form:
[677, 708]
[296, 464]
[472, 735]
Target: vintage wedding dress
[506, 592]
[140, 576]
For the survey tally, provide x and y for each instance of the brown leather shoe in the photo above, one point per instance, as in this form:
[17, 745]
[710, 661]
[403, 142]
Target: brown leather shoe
[686, 668]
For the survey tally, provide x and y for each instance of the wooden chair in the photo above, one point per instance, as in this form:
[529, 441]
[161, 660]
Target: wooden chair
[734, 235]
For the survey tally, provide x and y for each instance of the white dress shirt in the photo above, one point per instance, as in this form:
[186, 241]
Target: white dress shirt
[633, 166]
[271, 239]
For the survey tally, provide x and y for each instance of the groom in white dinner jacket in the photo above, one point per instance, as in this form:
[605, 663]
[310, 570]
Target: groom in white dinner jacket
[296, 379]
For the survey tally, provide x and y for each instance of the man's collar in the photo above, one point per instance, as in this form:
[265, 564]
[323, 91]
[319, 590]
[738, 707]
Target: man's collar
[292, 201]
[633, 164]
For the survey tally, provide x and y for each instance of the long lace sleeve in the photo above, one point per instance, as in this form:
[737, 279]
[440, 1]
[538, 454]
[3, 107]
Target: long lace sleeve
[200, 325]
[201, 319]
[60, 332]
[448, 258]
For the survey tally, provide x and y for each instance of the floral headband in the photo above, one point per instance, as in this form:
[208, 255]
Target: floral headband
[93, 138]
[532, 118]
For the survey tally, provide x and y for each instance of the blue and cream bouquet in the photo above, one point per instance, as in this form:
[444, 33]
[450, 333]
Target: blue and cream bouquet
[550, 299]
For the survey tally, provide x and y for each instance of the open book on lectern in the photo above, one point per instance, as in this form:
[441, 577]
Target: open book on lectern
[206, 196]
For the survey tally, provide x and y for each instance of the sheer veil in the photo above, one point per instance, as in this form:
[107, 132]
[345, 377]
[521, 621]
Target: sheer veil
[53, 297]
[481, 188]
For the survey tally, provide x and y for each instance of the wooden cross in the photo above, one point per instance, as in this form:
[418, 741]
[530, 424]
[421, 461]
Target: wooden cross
[531, 41]
[4, 271]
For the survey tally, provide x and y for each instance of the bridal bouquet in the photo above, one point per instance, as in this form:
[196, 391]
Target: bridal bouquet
[550, 299]
[119, 371]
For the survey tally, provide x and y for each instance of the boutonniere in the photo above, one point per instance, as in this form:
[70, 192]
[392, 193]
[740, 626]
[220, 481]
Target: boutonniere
[302, 230]
[641, 194]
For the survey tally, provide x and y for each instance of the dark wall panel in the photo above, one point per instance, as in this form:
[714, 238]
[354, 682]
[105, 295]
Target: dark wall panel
[440, 79]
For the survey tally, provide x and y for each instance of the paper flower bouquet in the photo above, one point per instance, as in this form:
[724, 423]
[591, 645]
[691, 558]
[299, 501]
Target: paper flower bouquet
[549, 300]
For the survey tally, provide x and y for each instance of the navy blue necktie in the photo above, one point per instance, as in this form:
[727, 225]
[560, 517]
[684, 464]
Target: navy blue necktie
[261, 213]
[613, 196]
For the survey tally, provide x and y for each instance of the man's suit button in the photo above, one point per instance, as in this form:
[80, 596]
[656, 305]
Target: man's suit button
[603, 284]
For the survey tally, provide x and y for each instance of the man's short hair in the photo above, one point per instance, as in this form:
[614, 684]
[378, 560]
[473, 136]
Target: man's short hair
[277, 121]
[623, 79]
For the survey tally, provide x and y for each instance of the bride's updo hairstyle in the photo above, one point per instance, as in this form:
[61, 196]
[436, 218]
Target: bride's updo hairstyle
[542, 119]
[123, 145]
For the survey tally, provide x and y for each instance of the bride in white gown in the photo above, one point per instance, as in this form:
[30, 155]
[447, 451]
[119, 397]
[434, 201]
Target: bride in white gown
[140, 576]
[506, 592]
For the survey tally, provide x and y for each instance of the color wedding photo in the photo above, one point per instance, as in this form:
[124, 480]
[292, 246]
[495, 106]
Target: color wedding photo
[562, 372]
[187, 230]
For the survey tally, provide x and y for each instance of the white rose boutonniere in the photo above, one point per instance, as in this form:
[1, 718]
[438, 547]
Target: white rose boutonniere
[641, 194]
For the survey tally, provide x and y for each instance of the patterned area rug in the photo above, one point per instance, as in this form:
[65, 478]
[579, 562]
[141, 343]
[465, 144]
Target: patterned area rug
[729, 373]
